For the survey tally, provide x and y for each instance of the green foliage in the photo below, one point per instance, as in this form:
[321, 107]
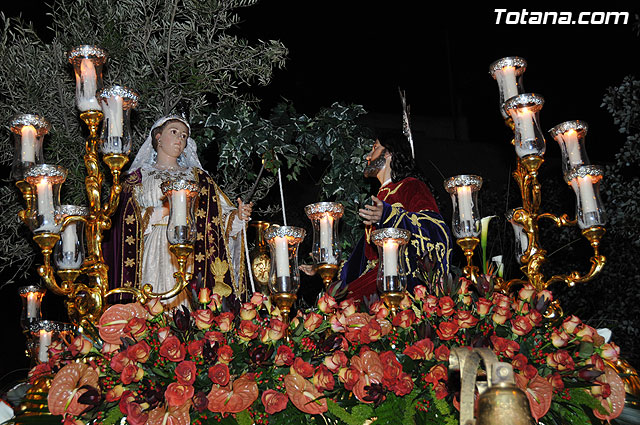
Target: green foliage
[177, 54]
[290, 141]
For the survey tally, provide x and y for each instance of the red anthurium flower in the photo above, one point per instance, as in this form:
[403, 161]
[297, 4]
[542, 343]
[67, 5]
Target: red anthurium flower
[235, 398]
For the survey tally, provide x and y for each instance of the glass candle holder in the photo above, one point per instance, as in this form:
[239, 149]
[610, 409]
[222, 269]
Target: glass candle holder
[117, 103]
[283, 241]
[524, 109]
[325, 218]
[392, 272]
[182, 196]
[43, 333]
[28, 131]
[87, 63]
[521, 238]
[464, 197]
[47, 180]
[31, 302]
[570, 136]
[585, 181]
[69, 251]
[508, 74]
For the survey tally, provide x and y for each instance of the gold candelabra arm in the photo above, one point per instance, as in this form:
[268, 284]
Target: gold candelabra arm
[182, 253]
[284, 301]
[594, 236]
[504, 286]
[46, 242]
[562, 221]
[327, 272]
[116, 163]
[29, 198]
[468, 246]
[526, 175]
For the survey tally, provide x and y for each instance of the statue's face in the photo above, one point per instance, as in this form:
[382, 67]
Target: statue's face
[376, 160]
[173, 138]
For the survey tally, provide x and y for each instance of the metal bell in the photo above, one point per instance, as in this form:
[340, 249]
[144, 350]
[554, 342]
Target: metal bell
[500, 401]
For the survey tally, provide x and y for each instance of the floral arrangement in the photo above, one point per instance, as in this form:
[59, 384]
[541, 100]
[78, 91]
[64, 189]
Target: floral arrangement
[341, 364]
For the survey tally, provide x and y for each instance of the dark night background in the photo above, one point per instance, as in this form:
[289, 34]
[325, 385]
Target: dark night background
[361, 52]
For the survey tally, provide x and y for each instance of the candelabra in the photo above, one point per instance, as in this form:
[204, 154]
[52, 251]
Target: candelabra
[62, 232]
[521, 111]
[391, 280]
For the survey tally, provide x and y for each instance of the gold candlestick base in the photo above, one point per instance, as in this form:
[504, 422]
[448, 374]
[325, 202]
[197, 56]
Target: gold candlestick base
[327, 272]
[46, 241]
[468, 246]
[92, 120]
[68, 277]
[284, 301]
[392, 300]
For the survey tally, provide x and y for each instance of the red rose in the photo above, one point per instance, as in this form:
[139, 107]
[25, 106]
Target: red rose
[403, 385]
[336, 361]
[114, 393]
[80, 345]
[571, 323]
[526, 292]
[136, 327]
[135, 414]
[442, 353]
[447, 330]
[529, 371]
[215, 336]
[556, 381]
[276, 329]
[446, 306]
[302, 368]
[203, 318]
[504, 347]
[560, 360]
[248, 311]
[465, 319]
[195, 347]
[430, 305]
[119, 361]
[596, 361]
[586, 333]
[535, 317]
[154, 306]
[370, 332]
[323, 379]
[312, 321]
[274, 401]
[500, 315]
[172, 349]
[420, 292]
[392, 368]
[413, 352]
[348, 307]
[126, 398]
[163, 333]
[247, 330]
[436, 374]
[441, 390]
[139, 352]
[327, 304]
[521, 326]
[284, 356]
[405, 318]
[501, 300]
[483, 305]
[349, 377]
[225, 354]
[131, 373]
[219, 374]
[224, 321]
[186, 372]
[559, 338]
[178, 394]
[519, 361]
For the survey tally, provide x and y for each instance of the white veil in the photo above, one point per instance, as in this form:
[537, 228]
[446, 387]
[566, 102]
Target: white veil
[146, 156]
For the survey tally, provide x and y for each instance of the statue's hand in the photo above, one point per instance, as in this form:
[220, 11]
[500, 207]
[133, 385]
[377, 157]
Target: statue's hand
[244, 210]
[371, 214]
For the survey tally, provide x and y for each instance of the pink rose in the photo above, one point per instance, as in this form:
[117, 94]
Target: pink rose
[571, 323]
[248, 311]
[420, 292]
[526, 292]
[483, 305]
[225, 321]
[258, 298]
[559, 338]
[521, 326]
[312, 321]
[203, 318]
[323, 379]
[430, 305]
[195, 347]
[560, 360]
[276, 329]
[327, 304]
[610, 352]
[348, 307]
[154, 306]
[80, 345]
[336, 361]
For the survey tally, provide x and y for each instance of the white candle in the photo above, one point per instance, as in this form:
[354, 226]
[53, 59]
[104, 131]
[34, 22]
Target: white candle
[587, 195]
[525, 124]
[570, 139]
[179, 204]
[282, 256]
[69, 238]
[114, 114]
[465, 203]
[45, 342]
[507, 80]
[28, 144]
[326, 236]
[390, 261]
[32, 307]
[45, 205]
[86, 87]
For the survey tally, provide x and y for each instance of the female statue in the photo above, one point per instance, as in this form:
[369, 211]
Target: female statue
[140, 248]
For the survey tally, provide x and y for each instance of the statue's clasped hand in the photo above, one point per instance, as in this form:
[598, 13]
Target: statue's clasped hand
[371, 214]
[244, 210]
